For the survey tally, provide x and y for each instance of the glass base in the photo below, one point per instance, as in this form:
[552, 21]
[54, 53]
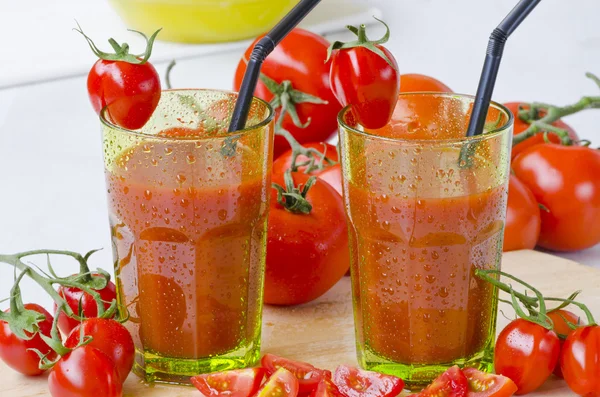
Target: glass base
[153, 368]
[417, 376]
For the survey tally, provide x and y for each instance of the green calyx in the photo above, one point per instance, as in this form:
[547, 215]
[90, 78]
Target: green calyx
[293, 198]
[363, 41]
[122, 50]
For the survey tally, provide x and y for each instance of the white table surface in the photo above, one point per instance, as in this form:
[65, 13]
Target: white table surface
[52, 190]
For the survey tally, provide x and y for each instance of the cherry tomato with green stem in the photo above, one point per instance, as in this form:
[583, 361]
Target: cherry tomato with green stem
[364, 75]
[284, 162]
[527, 353]
[15, 352]
[110, 337]
[564, 179]
[126, 85]
[75, 296]
[85, 371]
[523, 222]
[296, 77]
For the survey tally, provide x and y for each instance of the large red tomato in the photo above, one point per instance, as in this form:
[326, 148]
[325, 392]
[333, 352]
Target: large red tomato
[299, 59]
[565, 180]
[523, 221]
[15, 352]
[414, 82]
[521, 126]
[307, 253]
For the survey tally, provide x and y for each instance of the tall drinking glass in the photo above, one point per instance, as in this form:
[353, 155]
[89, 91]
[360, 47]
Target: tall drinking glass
[426, 207]
[188, 209]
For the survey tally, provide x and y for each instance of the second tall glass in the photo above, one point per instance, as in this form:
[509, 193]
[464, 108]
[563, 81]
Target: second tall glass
[188, 207]
[426, 207]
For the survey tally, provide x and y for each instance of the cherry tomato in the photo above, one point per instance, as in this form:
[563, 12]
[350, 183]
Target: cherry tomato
[482, 384]
[326, 388]
[562, 329]
[414, 82]
[367, 81]
[565, 180]
[355, 382]
[580, 361]
[284, 162]
[452, 383]
[236, 383]
[111, 338]
[522, 227]
[14, 351]
[85, 371]
[521, 126]
[308, 375]
[130, 91]
[300, 59]
[281, 384]
[73, 295]
[526, 353]
[333, 176]
[306, 253]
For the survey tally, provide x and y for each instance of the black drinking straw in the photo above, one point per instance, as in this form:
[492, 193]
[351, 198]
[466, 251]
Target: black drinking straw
[493, 57]
[261, 50]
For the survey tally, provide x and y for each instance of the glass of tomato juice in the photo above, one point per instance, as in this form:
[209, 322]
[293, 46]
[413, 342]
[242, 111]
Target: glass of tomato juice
[426, 207]
[188, 207]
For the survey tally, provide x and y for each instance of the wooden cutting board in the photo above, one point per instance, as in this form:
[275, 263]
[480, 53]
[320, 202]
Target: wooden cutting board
[322, 332]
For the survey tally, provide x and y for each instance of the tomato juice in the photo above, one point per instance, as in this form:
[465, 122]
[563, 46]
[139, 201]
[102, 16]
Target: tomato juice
[424, 213]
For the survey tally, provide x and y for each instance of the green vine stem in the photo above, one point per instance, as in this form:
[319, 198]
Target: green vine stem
[552, 114]
[293, 198]
[84, 280]
[316, 159]
[170, 67]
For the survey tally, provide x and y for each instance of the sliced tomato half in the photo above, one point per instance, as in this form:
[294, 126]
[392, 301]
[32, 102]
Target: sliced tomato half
[326, 388]
[452, 383]
[354, 382]
[281, 384]
[482, 384]
[235, 383]
[308, 375]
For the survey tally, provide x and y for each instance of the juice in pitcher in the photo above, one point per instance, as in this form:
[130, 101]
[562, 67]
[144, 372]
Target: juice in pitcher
[426, 207]
[188, 208]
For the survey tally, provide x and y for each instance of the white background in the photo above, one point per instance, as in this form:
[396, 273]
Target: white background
[52, 191]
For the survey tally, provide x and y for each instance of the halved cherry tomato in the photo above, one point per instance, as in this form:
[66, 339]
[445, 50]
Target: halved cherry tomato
[85, 371]
[414, 82]
[523, 221]
[580, 361]
[355, 382]
[283, 162]
[482, 384]
[236, 383]
[111, 338]
[326, 388]
[366, 80]
[520, 126]
[562, 329]
[281, 384]
[526, 353]
[73, 296]
[308, 376]
[333, 176]
[452, 383]
[15, 352]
